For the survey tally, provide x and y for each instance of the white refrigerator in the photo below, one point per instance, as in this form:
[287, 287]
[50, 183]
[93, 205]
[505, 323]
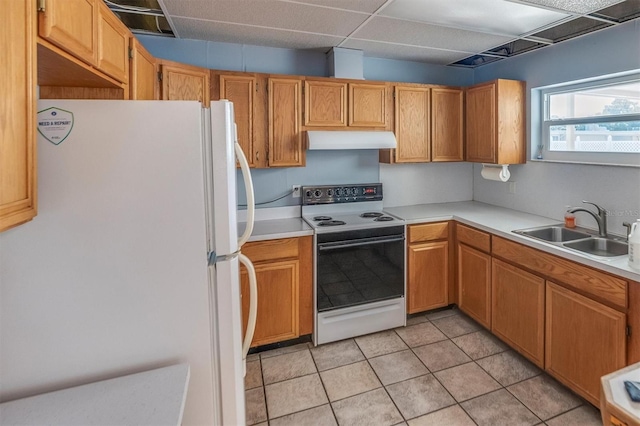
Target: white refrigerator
[132, 262]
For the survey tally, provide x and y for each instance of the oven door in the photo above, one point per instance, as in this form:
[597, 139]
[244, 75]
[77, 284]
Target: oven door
[359, 267]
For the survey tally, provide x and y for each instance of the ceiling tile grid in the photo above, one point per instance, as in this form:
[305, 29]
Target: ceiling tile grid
[447, 32]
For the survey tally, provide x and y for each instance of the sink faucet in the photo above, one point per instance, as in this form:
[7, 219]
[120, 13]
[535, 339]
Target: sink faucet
[601, 217]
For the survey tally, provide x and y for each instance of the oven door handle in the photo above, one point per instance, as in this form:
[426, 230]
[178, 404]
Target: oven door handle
[356, 243]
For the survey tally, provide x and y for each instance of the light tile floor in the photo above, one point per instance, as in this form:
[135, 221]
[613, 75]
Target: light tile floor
[442, 369]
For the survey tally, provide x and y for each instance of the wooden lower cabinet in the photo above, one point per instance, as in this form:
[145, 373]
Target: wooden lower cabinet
[285, 292]
[428, 275]
[278, 287]
[584, 340]
[474, 284]
[517, 309]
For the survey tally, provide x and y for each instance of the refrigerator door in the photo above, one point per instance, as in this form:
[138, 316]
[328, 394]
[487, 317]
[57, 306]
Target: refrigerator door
[227, 319]
[223, 167]
[221, 162]
[111, 277]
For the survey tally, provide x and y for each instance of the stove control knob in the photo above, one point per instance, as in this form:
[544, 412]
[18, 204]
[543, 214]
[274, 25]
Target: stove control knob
[354, 191]
[317, 193]
[339, 192]
[329, 192]
[308, 193]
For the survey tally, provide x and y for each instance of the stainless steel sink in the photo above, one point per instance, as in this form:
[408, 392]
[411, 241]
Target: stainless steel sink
[582, 240]
[556, 234]
[600, 246]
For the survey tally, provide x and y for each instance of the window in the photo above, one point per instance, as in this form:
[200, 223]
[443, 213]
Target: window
[593, 122]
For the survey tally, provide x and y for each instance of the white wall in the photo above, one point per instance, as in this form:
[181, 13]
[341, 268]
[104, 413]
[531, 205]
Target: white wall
[546, 188]
[426, 183]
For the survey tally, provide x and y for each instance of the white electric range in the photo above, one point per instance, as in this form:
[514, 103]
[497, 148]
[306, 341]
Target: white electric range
[359, 261]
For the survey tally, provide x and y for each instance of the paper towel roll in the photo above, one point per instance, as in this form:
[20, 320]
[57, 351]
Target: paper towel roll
[499, 173]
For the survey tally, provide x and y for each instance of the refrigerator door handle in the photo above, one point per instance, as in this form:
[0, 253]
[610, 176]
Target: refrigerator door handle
[253, 304]
[248, 185]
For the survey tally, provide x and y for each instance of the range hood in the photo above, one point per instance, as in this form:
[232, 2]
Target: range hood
[335, 139]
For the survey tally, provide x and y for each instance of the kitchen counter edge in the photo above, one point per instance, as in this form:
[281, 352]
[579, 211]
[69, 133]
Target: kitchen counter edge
[502, 221]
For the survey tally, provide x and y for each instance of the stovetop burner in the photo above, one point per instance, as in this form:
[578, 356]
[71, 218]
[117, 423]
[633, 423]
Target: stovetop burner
[322, 218]
[332, 223]
[383, 219]
[371, 214]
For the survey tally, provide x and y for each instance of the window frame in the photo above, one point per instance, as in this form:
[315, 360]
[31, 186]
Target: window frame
[540, 135]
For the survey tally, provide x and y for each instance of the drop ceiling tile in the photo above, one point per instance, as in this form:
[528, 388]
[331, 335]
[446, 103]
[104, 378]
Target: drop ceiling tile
[407, 53]
[575, 6]
[427, 35]
[475, 15]
[368, 6]
[269, 13]
[243, 34]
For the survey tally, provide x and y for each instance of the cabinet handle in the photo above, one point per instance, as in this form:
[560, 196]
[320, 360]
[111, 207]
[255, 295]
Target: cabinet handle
[257, 155]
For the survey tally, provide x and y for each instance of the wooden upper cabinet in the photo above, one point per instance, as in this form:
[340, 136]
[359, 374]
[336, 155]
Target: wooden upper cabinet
[18, 112]
[72, 26]
[113, 45]
[367, 105]
[495, 122]
[285, 118]
[143, 73]
[447, 124]
[412, 130]
[325, 103]
[182, 82]
[242, 90]
[584, 340]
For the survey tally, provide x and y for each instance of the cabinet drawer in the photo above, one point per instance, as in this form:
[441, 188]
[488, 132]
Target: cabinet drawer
[609, 289]
[259, 251]
[428, 232]
[473, 237]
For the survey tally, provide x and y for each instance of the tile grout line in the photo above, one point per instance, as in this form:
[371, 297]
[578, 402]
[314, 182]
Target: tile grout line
[541, 372]
[378, 377]
[324, 388]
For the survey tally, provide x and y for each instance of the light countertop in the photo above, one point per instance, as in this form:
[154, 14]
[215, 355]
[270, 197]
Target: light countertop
[287, 223]
[502, 221]
[275, 223]
[277, 228]
[155, 397]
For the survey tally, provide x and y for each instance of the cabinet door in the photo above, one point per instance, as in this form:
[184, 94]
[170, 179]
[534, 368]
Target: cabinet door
[113, 45]
[446, 124]
[517, 310]
[474, 284]
[278, 302]
[184, 83]
[367, 105]
[412, 129]
[143, 73]
[72, 26]
[18, 112]
[480, 123]
[285, 117]
[584, 340]
[325, 104]
[241, 90]
[428, 272]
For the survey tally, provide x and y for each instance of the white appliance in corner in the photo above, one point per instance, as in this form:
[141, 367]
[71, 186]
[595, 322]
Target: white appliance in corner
[133, 260]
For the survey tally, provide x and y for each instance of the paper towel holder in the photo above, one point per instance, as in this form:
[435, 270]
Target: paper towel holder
[498, 172]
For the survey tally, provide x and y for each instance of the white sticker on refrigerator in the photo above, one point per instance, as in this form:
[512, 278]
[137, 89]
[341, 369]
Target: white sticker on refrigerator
[55, 124]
